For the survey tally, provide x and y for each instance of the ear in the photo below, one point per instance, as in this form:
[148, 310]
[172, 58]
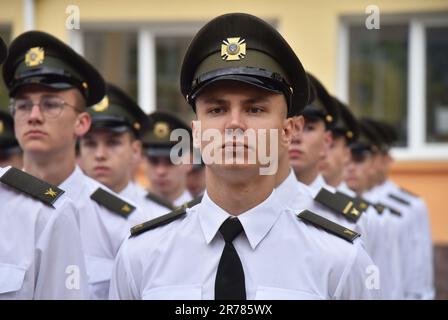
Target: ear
[196, 132]
[136, 146]
[328, 140]
[299, 123]
[82, 124]
[287, 131]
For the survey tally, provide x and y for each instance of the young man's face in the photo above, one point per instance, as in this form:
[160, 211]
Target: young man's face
[359, 171]
[165, 177]
[229, 105]
[309, 147]
[336, 159]
[40, 133]
[109, 157]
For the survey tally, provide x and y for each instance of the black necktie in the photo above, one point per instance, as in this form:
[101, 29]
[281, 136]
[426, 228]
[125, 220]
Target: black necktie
[229, 283]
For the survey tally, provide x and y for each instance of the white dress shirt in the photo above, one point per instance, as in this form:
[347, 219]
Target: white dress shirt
[102, 231]
[183, 198]
[282, 257]
[382, 244]
[419, 284]
[40, 248]
[148, 208]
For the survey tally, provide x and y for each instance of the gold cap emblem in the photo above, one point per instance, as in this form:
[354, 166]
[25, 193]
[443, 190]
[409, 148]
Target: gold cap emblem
[349, 134]
[102, 105]
[137, 126]
[233, 49]
[329, 118]
[34, 57]
[161, 129]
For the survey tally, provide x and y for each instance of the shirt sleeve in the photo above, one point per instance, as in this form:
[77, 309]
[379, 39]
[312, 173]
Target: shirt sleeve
[60, 264]
[360, 279]
[122, 285]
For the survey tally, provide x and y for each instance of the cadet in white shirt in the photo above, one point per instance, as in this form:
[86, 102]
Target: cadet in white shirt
[360, 176]
[40, 246]
[346, 132]
[309, 148]
[112, 148]
[50, 87]
[39, 238]
[239, 242]
[167, 180]
[420, 283]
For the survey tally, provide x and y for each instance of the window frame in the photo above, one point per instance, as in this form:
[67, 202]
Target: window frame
[146, 54]
[417, 147]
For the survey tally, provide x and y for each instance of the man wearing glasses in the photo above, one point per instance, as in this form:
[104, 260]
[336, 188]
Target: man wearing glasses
[50, 87]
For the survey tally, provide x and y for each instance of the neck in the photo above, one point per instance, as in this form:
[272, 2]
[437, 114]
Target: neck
[172, 195]
[284, 169]
[334, 181]
[53, 169]
[121, 186]
[236, 197]
[307, 176]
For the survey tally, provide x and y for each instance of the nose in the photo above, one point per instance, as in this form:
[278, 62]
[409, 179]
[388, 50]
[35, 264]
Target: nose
[100, 152]
[236, 120]
[36, 115]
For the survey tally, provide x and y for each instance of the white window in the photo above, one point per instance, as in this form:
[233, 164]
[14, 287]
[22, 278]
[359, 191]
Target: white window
[5, 33]
[399, 74]
[143, 59]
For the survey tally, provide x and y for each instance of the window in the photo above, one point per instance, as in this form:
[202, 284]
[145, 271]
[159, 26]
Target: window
[124, 56]
[114, 54]
[437, 84]
[5, 33]
[399, 73]
[378, 73]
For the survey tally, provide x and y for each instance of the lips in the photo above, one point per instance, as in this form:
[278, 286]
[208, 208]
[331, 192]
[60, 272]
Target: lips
[294, 153]
[101, 169]
[35, 133]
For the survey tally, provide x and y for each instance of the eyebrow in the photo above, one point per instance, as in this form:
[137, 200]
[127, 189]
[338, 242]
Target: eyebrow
[246, 101]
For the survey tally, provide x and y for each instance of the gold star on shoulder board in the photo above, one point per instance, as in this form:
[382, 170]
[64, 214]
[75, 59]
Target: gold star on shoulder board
[50, 192]
[34, 57]
[233, 49]
[126, 208]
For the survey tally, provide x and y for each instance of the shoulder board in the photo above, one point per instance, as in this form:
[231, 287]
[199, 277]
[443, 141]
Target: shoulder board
[160, 201]
[165, 219]
[328, 225]
[112, 202]
[360, 203]
[32, 186]
[191, 203]
[409, 192]
[340, 203]
[399, 199]
[393, 211]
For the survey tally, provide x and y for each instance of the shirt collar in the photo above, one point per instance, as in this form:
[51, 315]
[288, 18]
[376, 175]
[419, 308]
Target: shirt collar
[343, 187]
[318, 184]
[73, 185]
[184, 197]
[291, 190]
[256, 222]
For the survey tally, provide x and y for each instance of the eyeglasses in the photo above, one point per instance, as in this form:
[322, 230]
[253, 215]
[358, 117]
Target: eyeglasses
[49, 106]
